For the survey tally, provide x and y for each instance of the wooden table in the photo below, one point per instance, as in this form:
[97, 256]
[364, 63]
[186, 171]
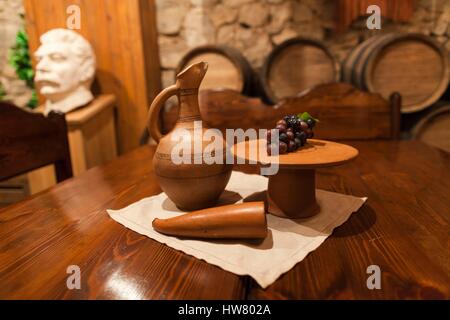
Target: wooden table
[403, 228]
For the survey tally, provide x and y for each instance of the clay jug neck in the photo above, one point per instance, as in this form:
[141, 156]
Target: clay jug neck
[188, 82]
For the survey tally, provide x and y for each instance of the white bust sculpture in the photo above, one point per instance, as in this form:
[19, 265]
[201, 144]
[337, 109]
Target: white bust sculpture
[65, 70]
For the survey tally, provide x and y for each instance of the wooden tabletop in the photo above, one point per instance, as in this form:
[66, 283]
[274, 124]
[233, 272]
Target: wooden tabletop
[403, 228]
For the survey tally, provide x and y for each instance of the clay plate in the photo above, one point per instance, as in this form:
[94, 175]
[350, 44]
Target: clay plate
[315, 154]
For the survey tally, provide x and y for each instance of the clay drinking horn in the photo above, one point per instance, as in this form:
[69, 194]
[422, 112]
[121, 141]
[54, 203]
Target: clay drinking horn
[238, 221]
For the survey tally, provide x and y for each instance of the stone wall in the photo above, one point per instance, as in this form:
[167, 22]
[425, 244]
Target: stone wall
[252, 26]
[255, 26]
[10, 22]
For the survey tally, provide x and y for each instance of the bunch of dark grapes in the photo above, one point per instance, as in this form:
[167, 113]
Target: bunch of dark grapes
[293, 132]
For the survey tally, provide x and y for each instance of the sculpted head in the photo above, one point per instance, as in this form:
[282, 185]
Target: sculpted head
[65, 69]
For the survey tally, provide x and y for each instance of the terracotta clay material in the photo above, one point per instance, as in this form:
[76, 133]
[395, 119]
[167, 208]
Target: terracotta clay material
[237, 221]
[291, 191]
[228, 68]
[196, 184]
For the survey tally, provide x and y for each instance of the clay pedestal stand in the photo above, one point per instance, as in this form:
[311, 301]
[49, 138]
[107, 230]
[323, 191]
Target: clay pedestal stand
[292, 190]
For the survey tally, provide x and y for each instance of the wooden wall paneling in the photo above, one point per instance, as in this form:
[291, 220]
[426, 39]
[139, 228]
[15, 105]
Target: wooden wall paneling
[123, 35]
[151, 48]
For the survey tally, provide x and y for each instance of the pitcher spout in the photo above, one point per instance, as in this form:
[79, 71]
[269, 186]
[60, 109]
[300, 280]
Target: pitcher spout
[192, 76]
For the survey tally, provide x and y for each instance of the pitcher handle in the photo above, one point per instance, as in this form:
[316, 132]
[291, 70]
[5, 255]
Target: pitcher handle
[153, 112]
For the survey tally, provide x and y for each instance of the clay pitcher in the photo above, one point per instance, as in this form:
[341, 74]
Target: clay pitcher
[194, 183]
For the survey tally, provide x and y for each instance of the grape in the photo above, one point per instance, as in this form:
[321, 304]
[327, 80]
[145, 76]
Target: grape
[311, 123]
[292, 122]
[297, 124]
[291, 146]
[283, 122]
[281, 127]
[283, 147]
[284, 137]
[303, 125]
[301, 135]
[293, 133]
[290, 135]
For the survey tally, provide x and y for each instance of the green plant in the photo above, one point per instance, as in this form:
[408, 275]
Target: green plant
[20, 59]
[305, 116]
[33, 101]
[2, 92]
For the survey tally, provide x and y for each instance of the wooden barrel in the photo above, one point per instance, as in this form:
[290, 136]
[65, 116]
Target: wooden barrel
[414, 65]
[296, 65]
[434, 128]
[354, 59]
[227, 68]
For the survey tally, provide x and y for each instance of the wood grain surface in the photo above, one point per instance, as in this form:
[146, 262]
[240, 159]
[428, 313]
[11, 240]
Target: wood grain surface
[345, 112]
[227, 68]
[225, 73]
[380, 65]
[296, 65]
[433, 128]
[68, 225]
[40, 141]
[389, 70]
[403, 228]
[92, 139]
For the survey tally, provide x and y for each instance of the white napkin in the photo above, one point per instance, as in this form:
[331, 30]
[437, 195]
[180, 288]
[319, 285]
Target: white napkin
[288, 241]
